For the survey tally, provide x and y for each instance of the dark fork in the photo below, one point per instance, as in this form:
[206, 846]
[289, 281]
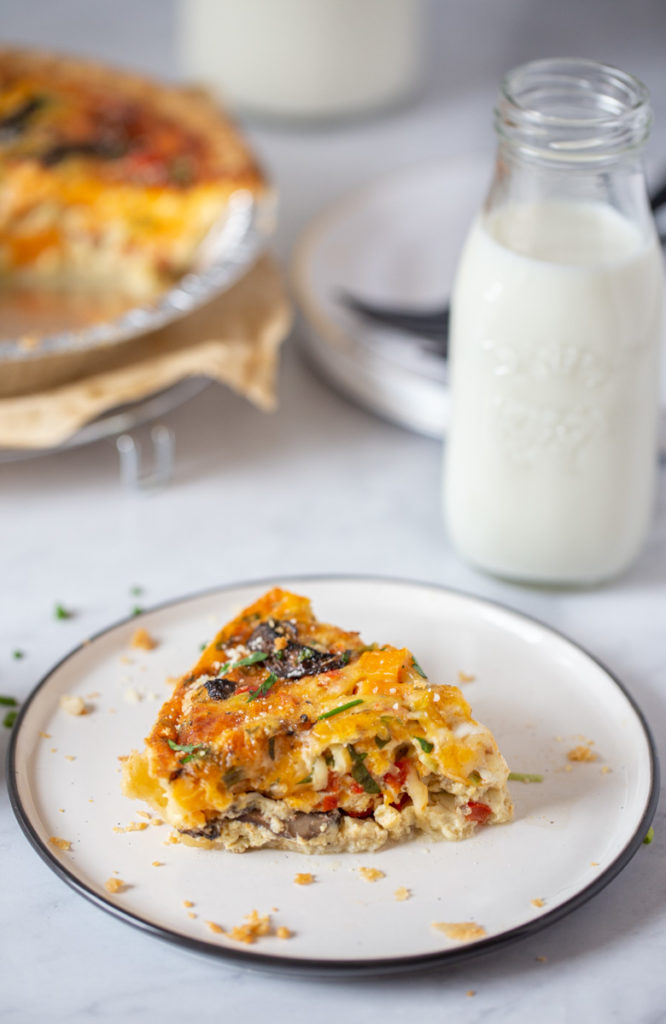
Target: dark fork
[432, 325]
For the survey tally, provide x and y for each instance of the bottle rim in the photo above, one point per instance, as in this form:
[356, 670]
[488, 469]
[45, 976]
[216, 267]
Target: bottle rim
[573, 109]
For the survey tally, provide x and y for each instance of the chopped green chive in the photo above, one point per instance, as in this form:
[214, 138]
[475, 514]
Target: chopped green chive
[424, 744]
[524, 777]
[271, 748]
[201, 752]
[382, 743]
[136, 591]
[251, 659]
[17, 655]
[203, 646]
[191, 749]
[417, 667]
[648, 837]
[301, 782]
[60, 612]
[305, 653]
[360, 773]
[136, 610]
[343, 707]
[9, 702]
[474, 777]
[345, 657]
[9, 719]
[262, 690]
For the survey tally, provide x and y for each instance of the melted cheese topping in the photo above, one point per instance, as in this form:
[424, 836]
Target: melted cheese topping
[370, 731]
[101, 172]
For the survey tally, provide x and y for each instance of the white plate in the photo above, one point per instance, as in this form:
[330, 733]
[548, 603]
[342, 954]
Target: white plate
[539, 693]
[395, 242]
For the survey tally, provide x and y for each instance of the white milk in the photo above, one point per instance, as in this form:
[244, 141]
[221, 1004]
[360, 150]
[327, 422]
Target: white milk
[304, 59]
[555, 345]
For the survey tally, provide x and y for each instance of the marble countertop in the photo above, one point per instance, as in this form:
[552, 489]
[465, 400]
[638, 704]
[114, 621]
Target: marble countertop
[72, 534]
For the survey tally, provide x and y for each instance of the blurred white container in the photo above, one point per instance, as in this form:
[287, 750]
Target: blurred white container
[306, 60]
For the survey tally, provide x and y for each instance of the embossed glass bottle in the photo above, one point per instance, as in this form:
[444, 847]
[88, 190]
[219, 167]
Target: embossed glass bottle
[555, 335]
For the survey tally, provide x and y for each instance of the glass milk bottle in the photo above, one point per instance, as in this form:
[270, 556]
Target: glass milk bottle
[555, 335]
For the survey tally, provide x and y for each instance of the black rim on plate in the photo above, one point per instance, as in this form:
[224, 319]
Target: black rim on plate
[301, 965]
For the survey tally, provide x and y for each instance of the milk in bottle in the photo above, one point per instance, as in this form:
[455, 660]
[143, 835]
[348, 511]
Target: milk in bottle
[555, 337]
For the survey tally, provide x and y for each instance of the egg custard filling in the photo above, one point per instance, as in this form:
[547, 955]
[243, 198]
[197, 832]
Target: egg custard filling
[294, 734]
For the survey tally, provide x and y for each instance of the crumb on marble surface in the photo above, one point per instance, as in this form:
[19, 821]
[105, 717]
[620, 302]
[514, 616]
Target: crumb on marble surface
[304, 878]
[402, 893]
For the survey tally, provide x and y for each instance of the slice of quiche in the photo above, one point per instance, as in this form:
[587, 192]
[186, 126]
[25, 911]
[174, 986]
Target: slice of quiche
[109, 180]
[295, 734]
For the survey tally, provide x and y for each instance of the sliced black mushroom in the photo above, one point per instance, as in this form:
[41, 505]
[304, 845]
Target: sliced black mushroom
[14, 123]
[264, 636]
[103, 149]
[293, 660]
[220, 689]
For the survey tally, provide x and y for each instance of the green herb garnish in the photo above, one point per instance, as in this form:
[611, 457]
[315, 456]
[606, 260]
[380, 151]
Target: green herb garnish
[424, 744]
[9, 702]
[191, 749]
[136, 610]
[360, 773]
[417, 667]
[271, 748]
[17, 655]
[301, 782]
[305, 653]
[474, 777]
[345, 657]
[524, 777]
[60, 612]
[136, 591]
[343, 707]
[262, 690]
[382, 743]
[251, 659]
[648, 837]
[9, 719]
[201, 752]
